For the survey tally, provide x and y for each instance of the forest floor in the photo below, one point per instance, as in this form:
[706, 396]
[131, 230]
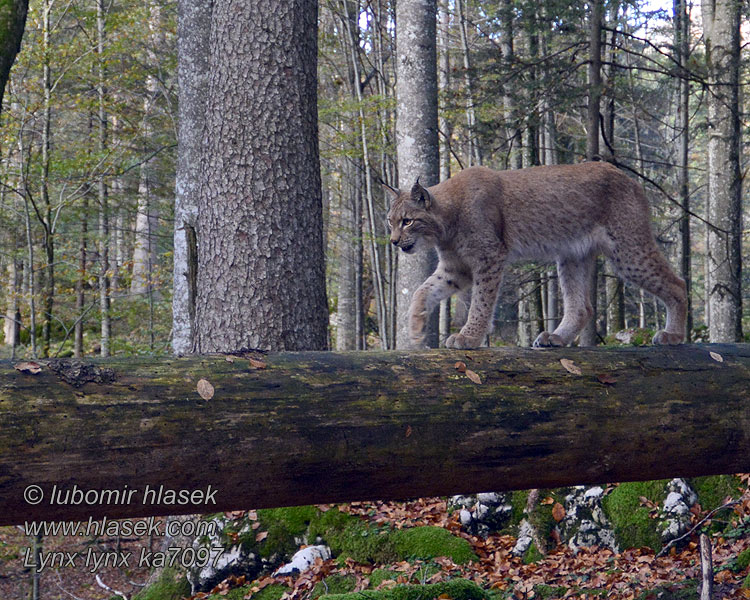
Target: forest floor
[634, 574]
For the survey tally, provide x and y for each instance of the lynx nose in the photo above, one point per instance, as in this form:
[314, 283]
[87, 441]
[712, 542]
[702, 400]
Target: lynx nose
[395, 241]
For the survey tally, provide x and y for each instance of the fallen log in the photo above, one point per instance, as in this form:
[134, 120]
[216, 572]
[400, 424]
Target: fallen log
[146, 436]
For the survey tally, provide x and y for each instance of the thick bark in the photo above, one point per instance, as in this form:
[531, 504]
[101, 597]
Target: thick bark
[12, 24]
[194, 25]
[261, 276]
[326, 427]
[416, 139]
[721, 23]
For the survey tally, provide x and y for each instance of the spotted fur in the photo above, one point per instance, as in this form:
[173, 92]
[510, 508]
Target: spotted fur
[480, 219]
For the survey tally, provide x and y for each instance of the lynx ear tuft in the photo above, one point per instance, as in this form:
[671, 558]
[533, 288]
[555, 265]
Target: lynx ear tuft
[420, 195]
[390, 191]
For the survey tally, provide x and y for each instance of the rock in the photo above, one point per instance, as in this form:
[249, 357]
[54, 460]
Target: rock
[304, 559]
[525, 538]
[675, 515]
[585, 523]
[484, 513]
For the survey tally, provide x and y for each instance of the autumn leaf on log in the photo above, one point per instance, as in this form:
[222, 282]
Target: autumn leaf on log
[408, 430]
[28, 367]
[258, 364]
[261, 536]
[570, 366]
[606, 378]
[205, 389]
[558, 512]
[473, 376]
[460, 367]
[716, 356]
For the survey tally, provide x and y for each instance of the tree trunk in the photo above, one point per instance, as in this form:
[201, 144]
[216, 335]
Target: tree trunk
[194, 25]
[514, 157]
[446, 133]
[328, 427]
[589, 336]
[261, 277]
[682, 55]
[12, 24]
[104, 276]
[474, 150]
[417, 139]
[146, 220]
[721, 23]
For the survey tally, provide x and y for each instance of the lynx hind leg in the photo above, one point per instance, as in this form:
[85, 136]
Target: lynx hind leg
[645, 266]
[575, 284]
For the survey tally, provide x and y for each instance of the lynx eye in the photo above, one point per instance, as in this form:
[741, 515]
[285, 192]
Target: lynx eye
[407, 222]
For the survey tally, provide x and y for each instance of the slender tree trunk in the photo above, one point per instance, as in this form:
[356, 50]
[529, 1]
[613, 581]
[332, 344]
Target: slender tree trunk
[80, 280]
[11, 325]
[194, 25]
[589, 334]
[104, 276]
[146, 221]
[349, 275]
[417, 138]
[682, 52]
[48, 292]
[446, 130]
[474, 150]
[261, 275]
[514, 156]
[721, 23]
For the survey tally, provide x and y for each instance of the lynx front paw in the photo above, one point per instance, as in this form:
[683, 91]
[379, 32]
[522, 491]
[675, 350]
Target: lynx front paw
[417, 324]
[664, 338]
[461, 341]
[548, 340]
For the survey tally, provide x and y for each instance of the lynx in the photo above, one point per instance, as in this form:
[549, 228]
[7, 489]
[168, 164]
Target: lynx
[480, 220]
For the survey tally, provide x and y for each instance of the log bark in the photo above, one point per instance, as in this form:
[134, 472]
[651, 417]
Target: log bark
[327, 427]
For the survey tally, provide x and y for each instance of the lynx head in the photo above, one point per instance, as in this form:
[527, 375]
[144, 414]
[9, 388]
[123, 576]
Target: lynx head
[412, 220]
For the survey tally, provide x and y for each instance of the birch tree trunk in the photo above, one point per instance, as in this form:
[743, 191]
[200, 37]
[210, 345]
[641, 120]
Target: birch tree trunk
[721, 23]
[261, 276]
[416, 139]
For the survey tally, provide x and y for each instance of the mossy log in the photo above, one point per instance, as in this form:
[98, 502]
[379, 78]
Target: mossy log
[325, 427]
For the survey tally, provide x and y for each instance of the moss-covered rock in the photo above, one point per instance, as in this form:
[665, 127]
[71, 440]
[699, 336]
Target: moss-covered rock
[286, 527]
[634, 527]
[430, 542]
[350, 537]
[714, 489]
[457, 589]
[171, 585]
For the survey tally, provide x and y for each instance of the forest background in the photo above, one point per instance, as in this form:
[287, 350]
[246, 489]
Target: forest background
[89, 132]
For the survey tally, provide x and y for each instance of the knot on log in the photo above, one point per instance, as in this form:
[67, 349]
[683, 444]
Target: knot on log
[77, 373]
